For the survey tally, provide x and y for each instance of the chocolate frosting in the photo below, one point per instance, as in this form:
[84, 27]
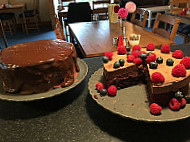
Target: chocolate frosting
[38, 66]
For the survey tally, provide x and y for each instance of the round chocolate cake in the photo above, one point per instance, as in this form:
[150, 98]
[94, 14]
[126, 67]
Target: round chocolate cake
[38, 66]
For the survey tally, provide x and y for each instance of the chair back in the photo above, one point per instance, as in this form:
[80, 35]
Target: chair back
[79, 12]
[167, 19]
[65, 3]
[142, 15]
[178, 5]
[100, 7]
[58, 29]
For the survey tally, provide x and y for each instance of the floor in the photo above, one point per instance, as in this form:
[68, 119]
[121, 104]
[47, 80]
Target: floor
[46, 33]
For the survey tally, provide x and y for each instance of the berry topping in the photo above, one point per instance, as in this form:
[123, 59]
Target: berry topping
[155, 109]
[99, 86]
[179, 71]
[174, 104]
[178, 95]
[151, 58]
[121, 50]
[136, 47]
[182, 102]
[120, 41]
[108, 54]
[169, 62]
[128, 53]
[153, 65]
[121, 61]
[157, 77]
[165, 48]
[142, 52]
[187, 99]
[143, 56]
[178, 54]
[112, 90]
[159, 60]
[103, 92]
[128, 48]
[137, 61]
[130, 58]
[186, 62]
[150, 47]
[135, 53]
[105, 59]
[116, 65]
[149, 53]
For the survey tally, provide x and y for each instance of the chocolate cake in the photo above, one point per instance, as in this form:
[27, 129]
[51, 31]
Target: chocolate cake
[38, 66]
[130, 74]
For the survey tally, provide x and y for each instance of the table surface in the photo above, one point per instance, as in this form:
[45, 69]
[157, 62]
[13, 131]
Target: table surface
[157, 8]
[95, 38]
[74, 116]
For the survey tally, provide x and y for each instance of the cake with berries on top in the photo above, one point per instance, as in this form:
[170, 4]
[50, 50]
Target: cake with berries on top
[163, 72]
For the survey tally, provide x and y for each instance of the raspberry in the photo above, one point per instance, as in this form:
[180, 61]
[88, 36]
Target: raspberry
[182, 102]
[178, 54]
[108, 54]
[186, 62]
[150, 47]
[155, 109]
[179, 71]
[135, 53]
[151, 58]
[136, 47]
[121, 50]
[112, 90]
[120, 41]
[174, 104]
[130, 58]
[157, 77]
[137, 61]
[165, 48]
[99, 86]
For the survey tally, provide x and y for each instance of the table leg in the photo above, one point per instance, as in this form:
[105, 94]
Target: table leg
[149, 19]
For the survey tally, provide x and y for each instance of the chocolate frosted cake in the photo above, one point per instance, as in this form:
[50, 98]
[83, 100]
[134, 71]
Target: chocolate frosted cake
[38, 66]
[135, 70]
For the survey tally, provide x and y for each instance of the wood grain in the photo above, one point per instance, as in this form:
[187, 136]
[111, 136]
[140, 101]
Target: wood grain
[95, 38]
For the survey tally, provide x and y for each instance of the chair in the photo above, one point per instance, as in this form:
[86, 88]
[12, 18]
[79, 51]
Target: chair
[78, 12]
[32, 17]
[139, 12]
[100, 8]
[2, 33]
[65, 3]
[58, 30]
[178, 5]
[167, 19]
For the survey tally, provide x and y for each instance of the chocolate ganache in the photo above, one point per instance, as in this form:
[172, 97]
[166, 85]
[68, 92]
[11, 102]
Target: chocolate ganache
[38, 66]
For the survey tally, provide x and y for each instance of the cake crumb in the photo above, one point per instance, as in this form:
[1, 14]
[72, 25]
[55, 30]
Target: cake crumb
[132, 104]
[146, 101]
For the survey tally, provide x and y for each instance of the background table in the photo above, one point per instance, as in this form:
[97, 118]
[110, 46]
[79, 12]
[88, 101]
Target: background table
[95, 38]
[74, 116]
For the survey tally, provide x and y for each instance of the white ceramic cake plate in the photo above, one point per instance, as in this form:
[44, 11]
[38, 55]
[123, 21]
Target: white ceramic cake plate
[132, 103]
[30, 97]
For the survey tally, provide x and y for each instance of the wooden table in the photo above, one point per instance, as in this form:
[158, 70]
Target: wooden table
[15, 8]
[155, 9]
[184, 18]
[95, 38]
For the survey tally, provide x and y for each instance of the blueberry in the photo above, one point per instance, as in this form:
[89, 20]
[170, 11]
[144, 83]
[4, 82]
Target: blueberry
[169, 62]
[105, 59]
[103, 92]
[153, 65]
[128, 53]
[149, 53]
[116, 64]
[178, 95]
[159, 60]
[187, 99]
[143, 56]
[121, 61]
[128, 48]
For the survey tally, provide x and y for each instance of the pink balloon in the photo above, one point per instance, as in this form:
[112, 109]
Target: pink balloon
[130, 7]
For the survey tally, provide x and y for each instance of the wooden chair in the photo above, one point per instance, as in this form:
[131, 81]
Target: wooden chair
[142, 21]
[177, 6]
[2, 33]
[167, 19]
[58, 30]
[32, 17]
[100, 8]
[65, 3]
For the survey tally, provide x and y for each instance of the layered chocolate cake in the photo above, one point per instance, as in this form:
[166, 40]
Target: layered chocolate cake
[38, 66]
[163, 73]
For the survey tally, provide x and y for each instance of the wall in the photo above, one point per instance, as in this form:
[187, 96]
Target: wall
[43, 4]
